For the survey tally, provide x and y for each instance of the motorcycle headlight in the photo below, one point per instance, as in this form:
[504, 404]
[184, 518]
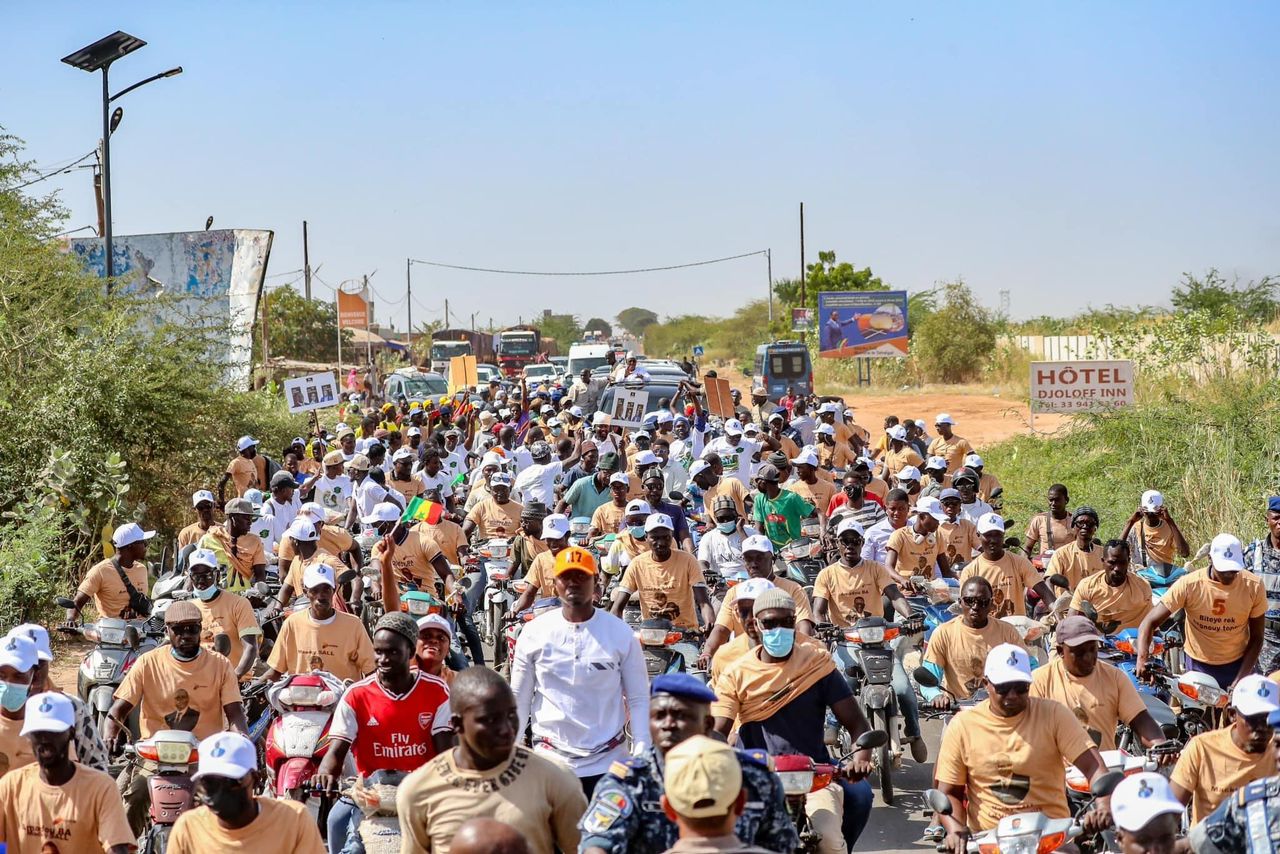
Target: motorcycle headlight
[498, 550]
[652, 637]
[174, 752]
[871, 634]
[876, 696]
[796, 783]
[419, 607]
[111, 635]
[300, 695]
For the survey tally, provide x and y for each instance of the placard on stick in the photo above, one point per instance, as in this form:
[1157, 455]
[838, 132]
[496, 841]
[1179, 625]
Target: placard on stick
[462, 373]
[719, 396]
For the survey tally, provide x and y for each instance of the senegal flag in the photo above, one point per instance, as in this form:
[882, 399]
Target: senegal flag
[419, 510]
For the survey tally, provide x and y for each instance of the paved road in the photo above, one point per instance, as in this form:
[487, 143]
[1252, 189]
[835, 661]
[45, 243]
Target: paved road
[899, 828]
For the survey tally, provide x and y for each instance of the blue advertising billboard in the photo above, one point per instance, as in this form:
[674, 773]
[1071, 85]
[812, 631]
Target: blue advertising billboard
[862, 323]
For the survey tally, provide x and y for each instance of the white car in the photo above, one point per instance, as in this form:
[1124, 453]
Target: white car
[541, 372]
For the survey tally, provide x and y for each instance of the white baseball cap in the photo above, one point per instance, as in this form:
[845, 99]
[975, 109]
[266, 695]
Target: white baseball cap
[130, 533]
[301, 530]
[317, 574]
[990, 522]
[829, 406]
[555, 526]
[246, 442]
[943, 418]
[403, 454]
[646, 458]
[936, 463]
[757, 543]
[1140, 798]
[202, 557]
[825, 430]
[383, 512]
[492, 459]
[806, 458]
[910, 473]
[973, 461]
[576, 412]
[752, 429]
[600, 419]
[417, 431]
[226, 754]
[637, 506]
[547, 409]
[850, 524]
[1007, 663]
[697, 467]
[48, 712]
[620, 477]
[202, 495]
[38, 635]
[897, 432]
[733, 427]
[933, 507]
[1226, 554]
[658, 520]
[19, 652]
[435, 621]
[313, 510]
[501, 478]
[1255, 695]
[1152, 501]
[752, 588]
[949, 492]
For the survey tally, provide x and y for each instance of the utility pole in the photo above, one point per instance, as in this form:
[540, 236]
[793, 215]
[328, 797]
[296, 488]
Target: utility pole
[306, 261]
[97, 190]
[768, 257]
[446, 314]
[408, 298]
[473, 322]
[804, 301]
[368, 323]
[266, 355]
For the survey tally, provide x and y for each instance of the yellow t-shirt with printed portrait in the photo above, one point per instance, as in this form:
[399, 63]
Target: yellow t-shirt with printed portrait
[1098, 701]
[1075, 563]
[917, 553]
[185, 695]
[960, 651]
[279, 826]
[959, 540]
[1011, 765]
[728, 616]
[83, 814]
[666, 587]
[852, 592]
[1010, 576]
[1211, 767]
[340, 646]
[1217, 614]
[1127, 604]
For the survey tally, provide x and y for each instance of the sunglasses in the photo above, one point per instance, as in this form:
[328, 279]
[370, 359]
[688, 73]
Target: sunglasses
[851, 541]
[1012, 688]
[777, 623]
[975, 601]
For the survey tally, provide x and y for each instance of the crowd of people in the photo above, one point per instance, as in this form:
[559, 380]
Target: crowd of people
[567, 741]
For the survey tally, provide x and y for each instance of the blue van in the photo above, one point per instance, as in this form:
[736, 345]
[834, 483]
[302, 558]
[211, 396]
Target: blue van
[783, 364]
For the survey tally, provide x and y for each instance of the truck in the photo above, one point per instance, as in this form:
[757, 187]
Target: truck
[447, 343]
[516, 347]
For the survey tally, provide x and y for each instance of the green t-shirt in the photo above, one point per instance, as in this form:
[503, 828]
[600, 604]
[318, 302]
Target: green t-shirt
[781, 517]
[583, 498]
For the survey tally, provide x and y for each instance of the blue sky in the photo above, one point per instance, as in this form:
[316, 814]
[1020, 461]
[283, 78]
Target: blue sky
[1072, 154]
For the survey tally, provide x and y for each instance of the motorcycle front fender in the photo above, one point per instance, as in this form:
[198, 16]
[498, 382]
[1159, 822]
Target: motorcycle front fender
[292, 773]
[103, 697]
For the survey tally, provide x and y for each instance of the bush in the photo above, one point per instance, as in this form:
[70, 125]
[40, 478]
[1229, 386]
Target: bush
[955, 341]
[1213, 450]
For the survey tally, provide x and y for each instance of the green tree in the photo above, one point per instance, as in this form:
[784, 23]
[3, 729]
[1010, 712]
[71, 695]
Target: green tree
[677, 336]
[303, 329]
[562, 327]
[599, 325]
[955, 341]
[636, 320]
[826, 274]
[1253, 302]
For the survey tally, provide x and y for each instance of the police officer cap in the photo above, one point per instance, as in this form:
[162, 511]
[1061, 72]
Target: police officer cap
[682, 685]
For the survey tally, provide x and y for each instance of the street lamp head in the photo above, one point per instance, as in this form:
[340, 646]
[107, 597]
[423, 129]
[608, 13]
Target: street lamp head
[104, 51]
[172, 72]
[116, 115]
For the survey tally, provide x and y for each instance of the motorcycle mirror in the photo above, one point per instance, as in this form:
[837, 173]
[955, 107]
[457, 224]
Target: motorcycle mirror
[132, 637]
[1109, 628]
[677, 496]
[871, 739]
[262, 589]
[1103, 786]
[1087, 609]
[1059, 580]
[1012, 543]
[64, 602]
[222, 644]
[925, 677]
[938, 802]
[997, 492]
[346, 577]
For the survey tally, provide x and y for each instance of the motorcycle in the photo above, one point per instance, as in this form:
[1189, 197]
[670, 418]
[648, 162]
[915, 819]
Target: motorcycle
[515, 622]
[297, 739]
[117, 645]
[171, 756]
[658, 638]
[800, 775]
[580, 531]
[804, 557]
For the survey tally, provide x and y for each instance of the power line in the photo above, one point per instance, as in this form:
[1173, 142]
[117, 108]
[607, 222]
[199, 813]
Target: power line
[589, 272]
[59, 170]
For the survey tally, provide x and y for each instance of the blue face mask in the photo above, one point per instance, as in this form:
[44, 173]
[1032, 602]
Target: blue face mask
[727, 527]
[13, 697]
[637, 531]
[207, 593]
[778, 642]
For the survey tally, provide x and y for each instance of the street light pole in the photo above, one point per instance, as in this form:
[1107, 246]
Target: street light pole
[106, 175]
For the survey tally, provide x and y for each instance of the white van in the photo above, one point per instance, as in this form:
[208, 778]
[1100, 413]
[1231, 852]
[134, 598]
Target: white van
[585, 357]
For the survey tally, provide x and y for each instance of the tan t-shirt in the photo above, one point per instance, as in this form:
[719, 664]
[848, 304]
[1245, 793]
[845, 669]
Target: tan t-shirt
[103, 583]
[731, 487]
[608, 517]
[540, 575]
[818, 493]
[333, 540]
[412, 558]
[540, 799]
[299, 564]
[340, 646]
[1009, 577]
[835, 456]
[1011, 765]
[852, 593]
[230, 615]
[15, 749]
[896, 461]
[84, 815]
[1098, 701]
[1159, 542]
[666, 586]
[914, 558]
[959, 540]
[410, 489]
[987, 484]
[1217, 614]
[1128, 603]
[728, 616]
[953, 449]
[961, 652]
[448, 537]
[496, 520]
[191, 534]
[248, 553]
[1211, 767]
[186, 695]
[1075, 563]
[1059, 529]
[247, 474]
[280, 826]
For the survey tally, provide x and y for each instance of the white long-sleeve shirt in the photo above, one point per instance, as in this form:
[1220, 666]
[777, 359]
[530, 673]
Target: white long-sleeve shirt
[580, 683]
